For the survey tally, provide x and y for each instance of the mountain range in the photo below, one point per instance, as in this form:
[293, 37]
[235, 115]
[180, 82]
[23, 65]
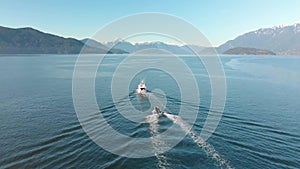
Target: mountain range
[284, 40]
[32, 41]
[175, 49]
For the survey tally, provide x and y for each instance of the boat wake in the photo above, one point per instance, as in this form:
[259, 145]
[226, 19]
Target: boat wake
[157, 142]
[208, 148]
[158, 101]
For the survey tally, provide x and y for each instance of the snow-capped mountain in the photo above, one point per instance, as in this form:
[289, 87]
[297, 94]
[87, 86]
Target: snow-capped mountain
[172, 48]
[120, 44]
[283, 39]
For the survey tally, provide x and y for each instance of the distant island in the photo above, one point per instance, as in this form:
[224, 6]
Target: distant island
[248, 51]
[283, 40]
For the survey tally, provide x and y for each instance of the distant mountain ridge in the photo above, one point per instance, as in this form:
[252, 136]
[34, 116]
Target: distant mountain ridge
[96, 44]
[284, 40]
[172, 48]
[28, 40]
[32, 41]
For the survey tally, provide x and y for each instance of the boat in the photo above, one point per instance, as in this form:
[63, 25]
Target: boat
[157, 111]
[142, 89]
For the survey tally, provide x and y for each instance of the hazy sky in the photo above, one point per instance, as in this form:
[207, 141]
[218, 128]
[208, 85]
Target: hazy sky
[218, 20]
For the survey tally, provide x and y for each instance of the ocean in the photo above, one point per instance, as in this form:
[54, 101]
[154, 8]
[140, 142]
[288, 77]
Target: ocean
[259, 127]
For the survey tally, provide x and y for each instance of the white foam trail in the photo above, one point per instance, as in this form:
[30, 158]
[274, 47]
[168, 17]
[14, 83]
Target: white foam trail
[156, 141]
[208, 148]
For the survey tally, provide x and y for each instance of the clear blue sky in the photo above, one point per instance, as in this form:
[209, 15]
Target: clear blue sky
[219, 20]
